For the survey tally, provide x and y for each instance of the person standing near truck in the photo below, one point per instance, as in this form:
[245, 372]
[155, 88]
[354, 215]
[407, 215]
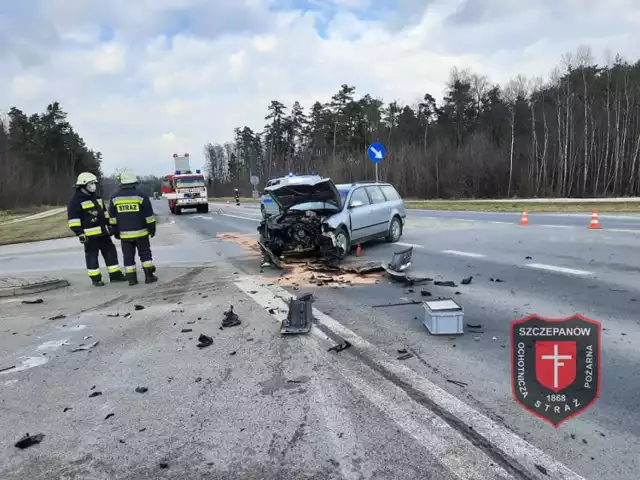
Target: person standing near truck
[89, 220]
[133, 222]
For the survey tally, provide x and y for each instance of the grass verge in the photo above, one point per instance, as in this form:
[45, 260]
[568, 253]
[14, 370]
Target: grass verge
[47, 228]
[600, 207]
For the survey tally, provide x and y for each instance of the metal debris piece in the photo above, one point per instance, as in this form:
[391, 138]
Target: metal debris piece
[33, 302]
[447, 283]
[467, 281]
[127, 315]
[80, 348]
[269, 257]
[339, 347]
[204, 341]
[470, 325]
[142, 389]
[113, 315]
[541, 469]
[457, 382]
[29, 441]
[138, 307]
[95, 394]
[186, 330]
[402, 350]
[4, 369]
[405, 356]
[109, 415]
[57, 317]
[300, 315]
[400, 261]
[230, 318]
[408, 302]
[425, 293]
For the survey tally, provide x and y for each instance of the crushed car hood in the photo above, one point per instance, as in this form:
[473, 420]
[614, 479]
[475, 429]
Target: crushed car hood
[297, 190]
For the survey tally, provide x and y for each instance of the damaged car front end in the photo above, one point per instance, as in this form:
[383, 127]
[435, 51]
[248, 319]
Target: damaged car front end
[301, 228]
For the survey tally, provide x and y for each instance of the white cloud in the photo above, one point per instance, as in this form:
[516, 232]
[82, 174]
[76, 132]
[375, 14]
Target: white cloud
[170, 75]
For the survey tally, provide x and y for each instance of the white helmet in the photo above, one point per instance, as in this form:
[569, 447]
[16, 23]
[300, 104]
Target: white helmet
[84, 178]
[127, 178]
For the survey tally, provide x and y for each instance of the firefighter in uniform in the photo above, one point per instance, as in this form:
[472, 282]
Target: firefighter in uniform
[237, 195]
[89, 220]
[133, 221]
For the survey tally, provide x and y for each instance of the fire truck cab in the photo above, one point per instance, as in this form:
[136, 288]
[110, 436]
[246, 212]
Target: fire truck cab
[184, 188]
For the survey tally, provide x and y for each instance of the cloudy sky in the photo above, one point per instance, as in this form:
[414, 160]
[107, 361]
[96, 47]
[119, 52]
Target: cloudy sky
[142, 79]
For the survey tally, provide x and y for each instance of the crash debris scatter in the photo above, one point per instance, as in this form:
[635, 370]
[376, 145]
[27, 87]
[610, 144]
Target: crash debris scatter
[247, 242]
[230, 318]
[29, 441]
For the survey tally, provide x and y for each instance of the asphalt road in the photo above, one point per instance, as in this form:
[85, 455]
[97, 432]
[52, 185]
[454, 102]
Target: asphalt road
[285, 407]
[549, 270]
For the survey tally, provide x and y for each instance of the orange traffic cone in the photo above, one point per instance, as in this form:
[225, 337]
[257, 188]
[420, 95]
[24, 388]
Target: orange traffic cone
[525, 219]
[227, 203]
[358, 251]
[595, 225]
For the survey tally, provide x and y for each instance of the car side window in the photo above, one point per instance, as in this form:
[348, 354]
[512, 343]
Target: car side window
[390, 192]
[376, 194]
[359, 195]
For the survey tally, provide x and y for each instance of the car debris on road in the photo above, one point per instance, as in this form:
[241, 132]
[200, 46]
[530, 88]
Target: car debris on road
[300, 315]
[230, 319]
[29, 441]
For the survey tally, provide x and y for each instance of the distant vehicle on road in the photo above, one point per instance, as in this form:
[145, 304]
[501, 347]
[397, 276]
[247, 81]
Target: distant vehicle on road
[185, 189]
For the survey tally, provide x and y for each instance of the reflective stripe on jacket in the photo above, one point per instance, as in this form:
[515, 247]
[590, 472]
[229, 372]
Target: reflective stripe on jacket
[131, 213]
[86, 214]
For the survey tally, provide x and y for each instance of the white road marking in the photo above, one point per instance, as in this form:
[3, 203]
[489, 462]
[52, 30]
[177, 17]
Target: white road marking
[463, 254]
[53, 344]
[502, 223]
[243, 218]
[557, 226]
[27, 363]
[403, 244]
[553, 268]
[433, 433]
[622, 230]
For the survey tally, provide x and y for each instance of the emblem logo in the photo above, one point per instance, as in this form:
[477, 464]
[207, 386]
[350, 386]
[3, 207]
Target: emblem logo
[555, 365]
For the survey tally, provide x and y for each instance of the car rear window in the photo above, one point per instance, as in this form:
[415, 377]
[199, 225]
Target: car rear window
[376, 194]
[390, 192]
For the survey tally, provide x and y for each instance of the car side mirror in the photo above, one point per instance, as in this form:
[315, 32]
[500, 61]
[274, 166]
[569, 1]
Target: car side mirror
[356, 204]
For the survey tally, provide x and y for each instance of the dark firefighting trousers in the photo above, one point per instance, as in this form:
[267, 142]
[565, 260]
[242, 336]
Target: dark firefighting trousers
[93, 247]
[143, 245]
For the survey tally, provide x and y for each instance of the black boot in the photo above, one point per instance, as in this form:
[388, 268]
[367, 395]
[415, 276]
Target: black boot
[117, 277]
[149, 276]
[133, 278]
[97, 282]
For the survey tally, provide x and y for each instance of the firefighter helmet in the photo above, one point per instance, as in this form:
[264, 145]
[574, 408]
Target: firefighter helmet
[84, 178]
[127, 178]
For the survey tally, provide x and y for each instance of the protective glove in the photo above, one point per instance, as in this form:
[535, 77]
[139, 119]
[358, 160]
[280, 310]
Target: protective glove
[83, 238]
[152, 231]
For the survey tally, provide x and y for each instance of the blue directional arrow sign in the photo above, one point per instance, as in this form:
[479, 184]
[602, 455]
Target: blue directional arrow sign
[376, 152]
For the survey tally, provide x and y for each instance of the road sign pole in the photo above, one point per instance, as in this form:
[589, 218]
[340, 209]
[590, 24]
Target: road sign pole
[377, 173]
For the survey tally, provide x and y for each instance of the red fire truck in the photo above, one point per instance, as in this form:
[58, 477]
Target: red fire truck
[185, 189]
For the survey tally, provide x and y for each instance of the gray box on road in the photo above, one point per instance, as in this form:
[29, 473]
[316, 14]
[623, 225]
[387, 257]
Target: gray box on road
[443, 317]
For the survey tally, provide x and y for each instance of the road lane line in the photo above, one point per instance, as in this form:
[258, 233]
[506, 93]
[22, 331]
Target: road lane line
[403, 244]
[622, 230]
[497, 439]
[463, 254]
[243, 218]
[502, 223]
[553, 268]
[557, 226]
